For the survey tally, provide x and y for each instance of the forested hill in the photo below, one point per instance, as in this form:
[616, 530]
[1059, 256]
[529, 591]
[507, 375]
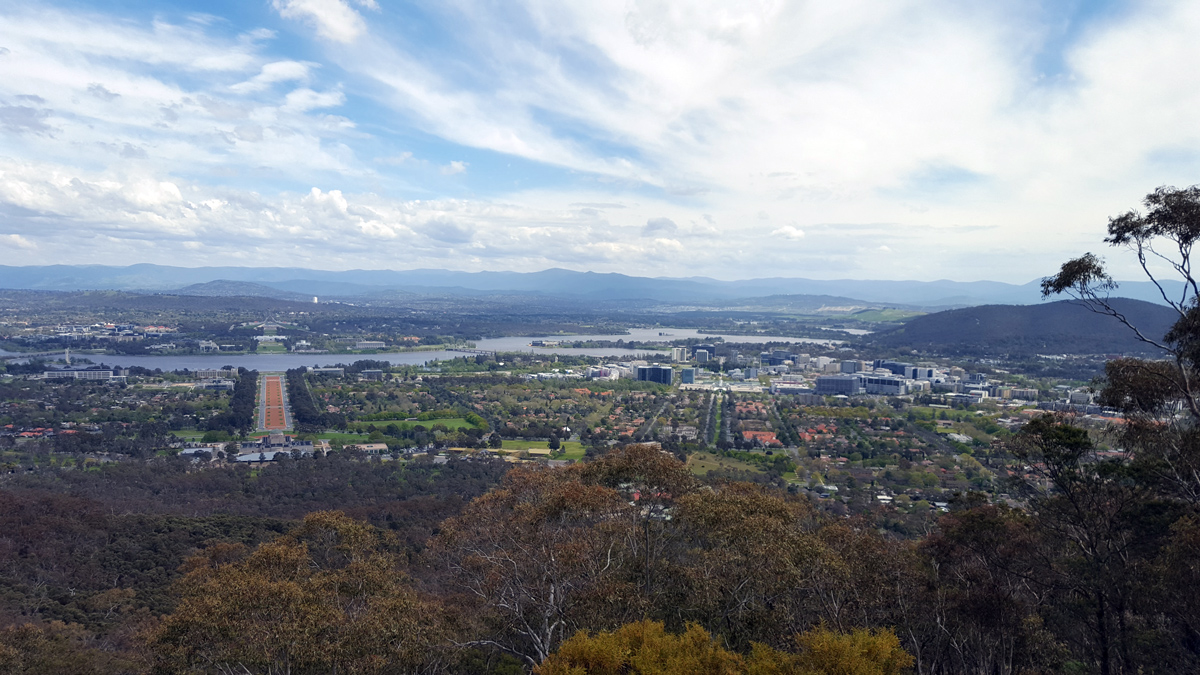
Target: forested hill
[1064, 327]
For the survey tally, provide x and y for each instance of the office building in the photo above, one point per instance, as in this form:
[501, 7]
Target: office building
[660, 374]
[919, 373]
[688, 376]
[78, 375]
[214, 374]
[854, 366]
[832, 385]
[894, 367]
[887, 385]
[779, 387]
[679, 354]
[702, 355]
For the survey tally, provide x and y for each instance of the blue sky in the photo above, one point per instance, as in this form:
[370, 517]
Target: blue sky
[849, 139]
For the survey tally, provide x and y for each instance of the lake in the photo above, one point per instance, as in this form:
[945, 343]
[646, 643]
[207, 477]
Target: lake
[277, 362]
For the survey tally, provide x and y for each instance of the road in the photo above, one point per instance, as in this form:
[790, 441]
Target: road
[273, 412]
[645, 431]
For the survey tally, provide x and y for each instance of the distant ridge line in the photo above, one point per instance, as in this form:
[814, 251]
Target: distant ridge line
[296, 283]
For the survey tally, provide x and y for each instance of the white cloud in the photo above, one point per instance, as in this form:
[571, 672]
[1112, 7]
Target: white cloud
[302, 100]
[99, 91]
[454, 167]
[272, 73]
[788, 232]
[137, 217]
[334, 20]
[17, 241]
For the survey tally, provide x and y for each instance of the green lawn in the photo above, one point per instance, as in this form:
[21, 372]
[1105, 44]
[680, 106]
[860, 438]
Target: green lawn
[573, 449]
[879, 315]
[343, 438]
[188, 434]
[952, 414]
[453, 424]
[700, 463]
[271, 348]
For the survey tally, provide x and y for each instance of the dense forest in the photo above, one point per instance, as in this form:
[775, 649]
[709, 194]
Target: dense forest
[343, 564]
[304, 411]
[240, 418]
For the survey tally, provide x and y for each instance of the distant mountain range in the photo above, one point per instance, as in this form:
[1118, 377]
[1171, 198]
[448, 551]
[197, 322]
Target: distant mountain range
[1064, 327]
[298, 283]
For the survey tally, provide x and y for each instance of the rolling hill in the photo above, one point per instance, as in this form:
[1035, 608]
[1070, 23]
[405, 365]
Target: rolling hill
[586, 286]
[1064, 327]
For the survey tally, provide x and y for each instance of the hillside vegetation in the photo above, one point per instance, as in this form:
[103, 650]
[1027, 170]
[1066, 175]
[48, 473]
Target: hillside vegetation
[1065, 327]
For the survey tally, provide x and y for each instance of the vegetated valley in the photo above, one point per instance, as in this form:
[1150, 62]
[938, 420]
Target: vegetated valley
[550, 512]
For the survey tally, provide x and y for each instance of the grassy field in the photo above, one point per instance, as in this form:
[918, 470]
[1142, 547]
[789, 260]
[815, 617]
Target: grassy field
[343, 438]
[950, 413]
[188, 434]
[889, 315]
[271, 348]
[573, 450]
[453, 424]
[700, 463]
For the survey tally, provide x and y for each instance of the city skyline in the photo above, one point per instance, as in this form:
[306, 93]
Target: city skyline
[915, 141]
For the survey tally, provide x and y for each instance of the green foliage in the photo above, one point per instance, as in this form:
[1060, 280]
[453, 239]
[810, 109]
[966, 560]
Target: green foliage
[57, 647]
[643, 648]
[328, 597]
[241, 414]
[859, 652]
[646, 648]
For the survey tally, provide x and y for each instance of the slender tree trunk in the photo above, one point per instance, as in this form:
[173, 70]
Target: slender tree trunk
[1102, 634]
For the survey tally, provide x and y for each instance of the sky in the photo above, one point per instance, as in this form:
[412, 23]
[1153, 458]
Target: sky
[904, 139]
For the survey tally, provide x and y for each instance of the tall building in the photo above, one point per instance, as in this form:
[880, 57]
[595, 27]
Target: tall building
[854, 366]
[702, 355]
[895, 367]
[888, 385]
[688, 376]
[829, 385]
[679, 354]
[660, 374]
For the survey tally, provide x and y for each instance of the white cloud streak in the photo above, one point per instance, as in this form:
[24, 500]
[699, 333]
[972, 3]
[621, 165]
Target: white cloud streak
[334, 20]
[273, 73]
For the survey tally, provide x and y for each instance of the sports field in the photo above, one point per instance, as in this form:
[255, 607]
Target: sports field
[273, 407]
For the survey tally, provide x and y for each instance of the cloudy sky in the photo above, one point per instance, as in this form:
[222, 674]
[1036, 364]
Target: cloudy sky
[904, 139]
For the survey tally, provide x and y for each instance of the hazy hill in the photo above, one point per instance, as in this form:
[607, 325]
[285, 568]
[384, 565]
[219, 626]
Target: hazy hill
[588, 286]
[223, 288]
[1064, 327]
